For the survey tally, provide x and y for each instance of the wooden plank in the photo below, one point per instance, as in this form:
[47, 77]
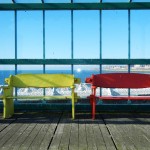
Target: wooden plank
[31, 122]
[74, 141]
[135, 134]
[18, 144]
[58, 134]
[144, 131]
[5, 123]
[114, 127]
[98, 137]
[4, 132]
[82, 134]
[65, 139]
[10, 133]
[15, 137]
[106, 136]
[49, 134]
[46, 122]
[90, 136]
[125, 132]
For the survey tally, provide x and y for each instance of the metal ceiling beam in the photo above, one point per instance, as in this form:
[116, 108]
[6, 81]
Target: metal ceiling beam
[74, 61]
[75, 6]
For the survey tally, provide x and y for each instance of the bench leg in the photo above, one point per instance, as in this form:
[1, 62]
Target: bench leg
[93, 108]
[73, 107]
[76, 99]
[8, 110]
[73, 103]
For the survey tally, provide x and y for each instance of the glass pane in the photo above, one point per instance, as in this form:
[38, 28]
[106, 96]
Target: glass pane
[30, 34]
[115, 34]
[58, 34]
[5, 72]
[30, 69]
[114, 68]
[115, 1]
[86, 34]
[83, 72]
[144, 69]
[140, 0]
[54, 69]
[140, 69]
[28, 1]
[7, 35]
[57, 1]
[6, 1]
[140, 31]
[86, 1]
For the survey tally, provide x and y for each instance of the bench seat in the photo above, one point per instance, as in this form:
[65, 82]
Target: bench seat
[117, 80]
[38, 81]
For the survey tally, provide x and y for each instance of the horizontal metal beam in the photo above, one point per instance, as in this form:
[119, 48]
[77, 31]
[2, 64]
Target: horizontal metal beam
[75, 6]
[73, 62]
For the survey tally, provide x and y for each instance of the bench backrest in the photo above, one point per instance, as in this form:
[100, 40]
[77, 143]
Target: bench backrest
[120, 80]
[41, 80]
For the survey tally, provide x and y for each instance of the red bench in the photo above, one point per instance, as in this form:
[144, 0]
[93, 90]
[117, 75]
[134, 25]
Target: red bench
[117, 80]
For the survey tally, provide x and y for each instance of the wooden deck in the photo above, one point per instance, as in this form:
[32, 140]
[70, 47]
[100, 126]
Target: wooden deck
[55, 131]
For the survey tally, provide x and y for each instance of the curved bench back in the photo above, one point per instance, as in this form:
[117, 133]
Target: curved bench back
[41, 80]
[120, 80]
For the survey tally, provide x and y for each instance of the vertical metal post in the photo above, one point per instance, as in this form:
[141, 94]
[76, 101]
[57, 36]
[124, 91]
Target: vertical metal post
[44, 40]
[100, 28]
[43, 45]
[100, 25]
[15, 49]
[129, 47]
[15, 40]
[72, 56]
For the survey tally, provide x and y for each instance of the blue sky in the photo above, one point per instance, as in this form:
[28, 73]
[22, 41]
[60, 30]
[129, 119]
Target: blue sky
[86, 34]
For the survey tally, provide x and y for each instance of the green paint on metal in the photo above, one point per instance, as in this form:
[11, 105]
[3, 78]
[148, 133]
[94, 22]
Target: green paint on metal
[75, 6]
[73, 61]
[132, 108]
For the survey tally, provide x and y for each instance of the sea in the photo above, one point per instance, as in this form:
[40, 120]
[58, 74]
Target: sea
[82, 74]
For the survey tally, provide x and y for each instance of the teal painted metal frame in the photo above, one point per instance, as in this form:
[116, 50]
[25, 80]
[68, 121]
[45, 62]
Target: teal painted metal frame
[75, 6]
[74, 61]
[104, 108]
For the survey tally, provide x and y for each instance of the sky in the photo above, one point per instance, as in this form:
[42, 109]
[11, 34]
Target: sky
[86, 34]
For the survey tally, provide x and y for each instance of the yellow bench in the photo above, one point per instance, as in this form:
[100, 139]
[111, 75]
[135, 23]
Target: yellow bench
[37, 81]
